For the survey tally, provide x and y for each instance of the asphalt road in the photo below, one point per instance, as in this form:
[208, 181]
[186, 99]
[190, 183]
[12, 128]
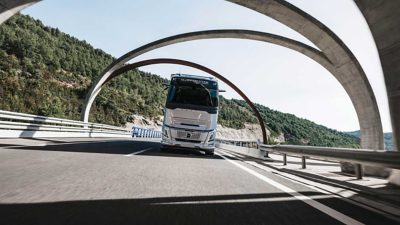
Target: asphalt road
[74, 181]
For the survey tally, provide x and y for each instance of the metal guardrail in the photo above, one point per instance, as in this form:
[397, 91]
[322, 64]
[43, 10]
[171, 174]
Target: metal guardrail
[22, 123]
[243, 143]
[145, 133]
[379, 158]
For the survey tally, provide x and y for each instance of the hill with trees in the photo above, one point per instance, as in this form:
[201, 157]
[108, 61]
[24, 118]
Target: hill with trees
[387, 139]
[46, 72]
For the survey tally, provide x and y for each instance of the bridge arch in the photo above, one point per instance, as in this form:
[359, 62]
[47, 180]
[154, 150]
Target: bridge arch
[136, 65]
[346, 67]
[367, 111]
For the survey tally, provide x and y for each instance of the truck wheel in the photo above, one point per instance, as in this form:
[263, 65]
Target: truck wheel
[210, 153]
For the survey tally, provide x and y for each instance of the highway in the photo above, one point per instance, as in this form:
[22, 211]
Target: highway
[124, 181]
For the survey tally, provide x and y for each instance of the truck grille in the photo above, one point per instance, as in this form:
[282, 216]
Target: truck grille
[188, 135]
[185, 140]
[180, 121]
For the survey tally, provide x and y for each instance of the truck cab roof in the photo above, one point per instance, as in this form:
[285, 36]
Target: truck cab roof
[189, 76]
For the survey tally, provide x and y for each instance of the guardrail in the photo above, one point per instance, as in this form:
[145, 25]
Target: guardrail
[145, 133]
[243, 143]
[378, 158]
[13, 125]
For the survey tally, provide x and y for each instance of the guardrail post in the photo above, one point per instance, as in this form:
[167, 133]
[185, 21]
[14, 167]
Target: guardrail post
[303, 162]
[358, 170]
[284, 159]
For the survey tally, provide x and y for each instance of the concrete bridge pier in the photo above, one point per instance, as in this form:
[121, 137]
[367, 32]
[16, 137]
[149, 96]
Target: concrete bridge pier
[382, 17]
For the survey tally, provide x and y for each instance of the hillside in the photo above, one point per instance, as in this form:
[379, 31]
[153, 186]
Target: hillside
[47, 72]
[387, 139]
[44, 71]
[295, 130]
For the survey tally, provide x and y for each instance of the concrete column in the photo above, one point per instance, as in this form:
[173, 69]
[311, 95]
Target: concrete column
[382, 17]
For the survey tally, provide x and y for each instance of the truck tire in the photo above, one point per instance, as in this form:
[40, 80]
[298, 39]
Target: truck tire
[209, 153]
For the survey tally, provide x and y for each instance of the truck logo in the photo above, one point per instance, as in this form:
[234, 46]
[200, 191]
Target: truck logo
[188, 135]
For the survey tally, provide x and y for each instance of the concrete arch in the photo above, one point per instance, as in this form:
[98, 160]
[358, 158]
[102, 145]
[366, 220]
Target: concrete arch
[135, 65]
[346, 67]
[9, 7]
[201, 35]
[382, 18]
[366, 109]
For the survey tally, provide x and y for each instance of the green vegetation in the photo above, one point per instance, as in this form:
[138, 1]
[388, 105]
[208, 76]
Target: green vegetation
[295, 130]
[387, 139]
[234, 115]
[47, 72]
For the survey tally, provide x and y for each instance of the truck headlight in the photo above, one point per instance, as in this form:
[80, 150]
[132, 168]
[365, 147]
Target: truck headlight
[211, 136]
[165, 132]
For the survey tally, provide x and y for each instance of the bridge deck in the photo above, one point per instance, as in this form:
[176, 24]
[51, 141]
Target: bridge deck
[115, 181]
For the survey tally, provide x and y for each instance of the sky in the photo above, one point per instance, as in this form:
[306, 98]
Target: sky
[274, 76]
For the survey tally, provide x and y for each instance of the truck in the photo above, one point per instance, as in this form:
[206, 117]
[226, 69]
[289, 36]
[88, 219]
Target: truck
[191, 113]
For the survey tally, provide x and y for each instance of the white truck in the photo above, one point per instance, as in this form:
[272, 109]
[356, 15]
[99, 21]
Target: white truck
[191, 113]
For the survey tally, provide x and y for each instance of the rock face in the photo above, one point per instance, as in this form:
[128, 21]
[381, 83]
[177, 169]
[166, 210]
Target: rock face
[250, 132]
[144, 122]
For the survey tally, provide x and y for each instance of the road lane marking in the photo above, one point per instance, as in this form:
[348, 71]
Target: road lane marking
[233, 154]
[138, 152]
[250, 200]
[339, 193]
[309, 201]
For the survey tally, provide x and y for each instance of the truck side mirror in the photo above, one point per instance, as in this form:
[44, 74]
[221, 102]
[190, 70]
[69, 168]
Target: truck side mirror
[166, 86]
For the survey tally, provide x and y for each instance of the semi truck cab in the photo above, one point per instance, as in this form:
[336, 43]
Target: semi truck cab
[191, 113]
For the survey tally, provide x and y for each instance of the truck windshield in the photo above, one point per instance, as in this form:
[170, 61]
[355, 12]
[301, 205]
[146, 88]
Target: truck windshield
[193, 92]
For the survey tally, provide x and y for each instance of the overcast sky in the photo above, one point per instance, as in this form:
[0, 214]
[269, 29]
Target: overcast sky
[270, 75]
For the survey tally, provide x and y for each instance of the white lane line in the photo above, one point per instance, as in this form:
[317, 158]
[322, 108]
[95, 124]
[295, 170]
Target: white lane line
[234, 154]
[317, 205]
[138, 152]
[250, 200]
[340, 193]
[337, 192]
